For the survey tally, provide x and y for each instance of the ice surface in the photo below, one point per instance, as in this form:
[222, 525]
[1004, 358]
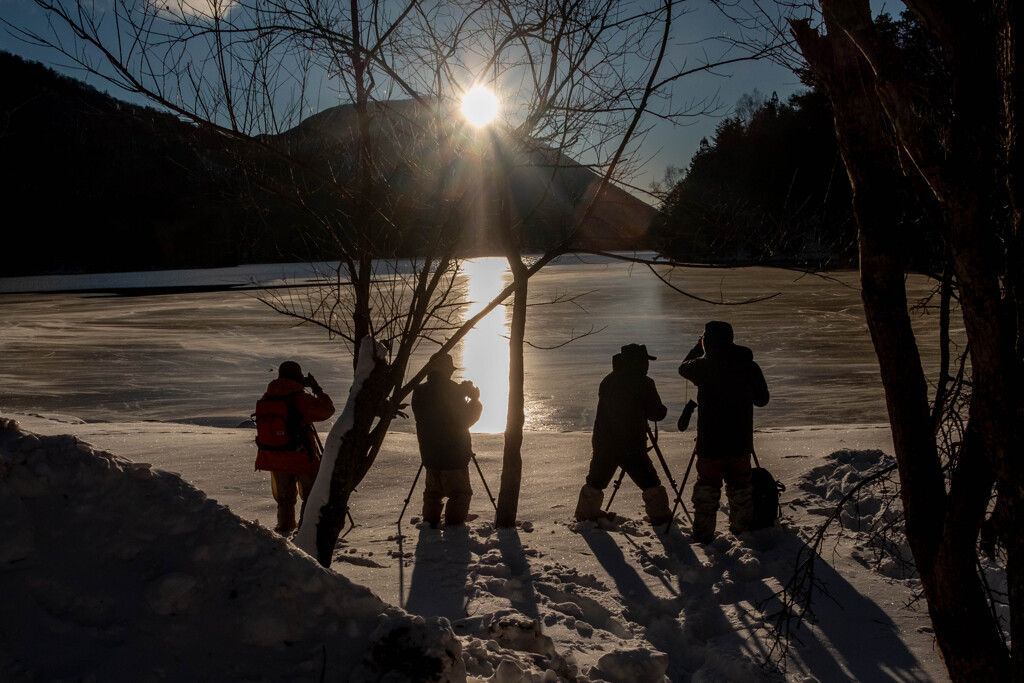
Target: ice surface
[205, 357]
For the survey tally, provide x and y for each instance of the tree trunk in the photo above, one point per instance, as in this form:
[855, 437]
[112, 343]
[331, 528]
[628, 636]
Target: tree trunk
[512, 457]
[345, 456]
[941, 528]
[980, 55]
[1011, 489]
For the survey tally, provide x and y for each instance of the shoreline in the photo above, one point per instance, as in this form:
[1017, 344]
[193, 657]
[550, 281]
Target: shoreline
[219, 460]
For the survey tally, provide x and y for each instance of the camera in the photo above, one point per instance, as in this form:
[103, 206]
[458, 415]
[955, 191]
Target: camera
[471, 391]
[684, 419]
[310, 382]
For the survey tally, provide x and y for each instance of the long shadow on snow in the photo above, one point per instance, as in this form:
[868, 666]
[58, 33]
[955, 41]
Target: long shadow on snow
[853, 638]
[643, 607]
[438, 583]
[523, 596]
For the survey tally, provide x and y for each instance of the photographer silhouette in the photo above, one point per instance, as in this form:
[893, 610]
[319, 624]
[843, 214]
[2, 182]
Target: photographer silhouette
[293, 468]
[729, 385]
[444, 412]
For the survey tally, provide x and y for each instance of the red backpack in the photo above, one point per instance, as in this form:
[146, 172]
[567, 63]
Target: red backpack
[277, 424]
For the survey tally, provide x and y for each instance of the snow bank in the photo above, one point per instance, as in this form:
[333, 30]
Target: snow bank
[872, 516]
[114, 571]
[874, 512]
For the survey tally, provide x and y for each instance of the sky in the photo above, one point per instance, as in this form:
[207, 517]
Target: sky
[666, 145]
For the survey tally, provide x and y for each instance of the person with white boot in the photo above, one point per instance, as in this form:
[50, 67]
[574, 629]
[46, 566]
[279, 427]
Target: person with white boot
[729, 385]
[627, 399]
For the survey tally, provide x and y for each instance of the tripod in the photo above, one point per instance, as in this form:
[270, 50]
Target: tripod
[693, 457]
[679, 494]
[653, 436]
[417, 478]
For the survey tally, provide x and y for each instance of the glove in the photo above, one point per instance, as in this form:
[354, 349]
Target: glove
[684, 419]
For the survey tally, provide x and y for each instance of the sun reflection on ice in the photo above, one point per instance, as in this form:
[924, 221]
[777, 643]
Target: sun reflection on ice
[485, 349]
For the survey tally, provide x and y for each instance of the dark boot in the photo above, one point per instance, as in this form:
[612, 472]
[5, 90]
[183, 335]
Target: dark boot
[285, 520]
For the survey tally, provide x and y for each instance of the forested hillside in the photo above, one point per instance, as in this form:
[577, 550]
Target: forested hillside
[769, 188]
[93, 184]
[90, 183]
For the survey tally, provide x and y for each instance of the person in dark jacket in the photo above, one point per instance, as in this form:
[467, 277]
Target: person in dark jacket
[627, 399]
[444, 412]
[729, 385]
[293, 472]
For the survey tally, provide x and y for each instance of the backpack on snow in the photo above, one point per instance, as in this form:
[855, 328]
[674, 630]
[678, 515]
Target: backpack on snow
[277, 424]
[767, 509]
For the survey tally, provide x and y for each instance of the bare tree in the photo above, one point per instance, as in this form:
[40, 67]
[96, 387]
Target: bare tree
[390, 174]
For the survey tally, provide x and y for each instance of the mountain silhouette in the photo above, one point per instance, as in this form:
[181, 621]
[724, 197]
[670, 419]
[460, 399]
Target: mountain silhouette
[95, 184]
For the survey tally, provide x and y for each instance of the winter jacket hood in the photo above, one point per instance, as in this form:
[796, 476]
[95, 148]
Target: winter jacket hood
[729, 385]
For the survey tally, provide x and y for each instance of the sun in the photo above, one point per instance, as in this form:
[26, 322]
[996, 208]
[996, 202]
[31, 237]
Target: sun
[479, 106]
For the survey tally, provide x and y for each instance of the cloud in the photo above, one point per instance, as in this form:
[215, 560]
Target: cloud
[186, 10]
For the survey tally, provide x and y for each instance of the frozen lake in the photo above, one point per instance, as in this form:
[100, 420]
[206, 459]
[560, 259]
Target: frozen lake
[205, 356]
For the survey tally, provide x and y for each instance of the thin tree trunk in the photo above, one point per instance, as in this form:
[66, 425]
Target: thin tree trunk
[512, 457]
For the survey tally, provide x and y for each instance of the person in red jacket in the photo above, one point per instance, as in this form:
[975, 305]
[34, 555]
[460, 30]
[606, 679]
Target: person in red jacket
[293, 471]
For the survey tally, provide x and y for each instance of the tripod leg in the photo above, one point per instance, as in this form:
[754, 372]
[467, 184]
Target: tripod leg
[615, 489]
[408, 497]
[679, 496]
[668, 475]
[351, 523]
[486, 487]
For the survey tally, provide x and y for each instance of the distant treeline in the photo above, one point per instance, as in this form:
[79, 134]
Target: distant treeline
[770, 187]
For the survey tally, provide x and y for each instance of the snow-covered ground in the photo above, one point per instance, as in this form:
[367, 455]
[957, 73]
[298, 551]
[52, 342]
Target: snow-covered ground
[139, 548]
[116, 569]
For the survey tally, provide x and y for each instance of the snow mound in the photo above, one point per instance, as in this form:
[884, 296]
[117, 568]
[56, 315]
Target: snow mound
[872, 510]
[114, 571]
[626, 666]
